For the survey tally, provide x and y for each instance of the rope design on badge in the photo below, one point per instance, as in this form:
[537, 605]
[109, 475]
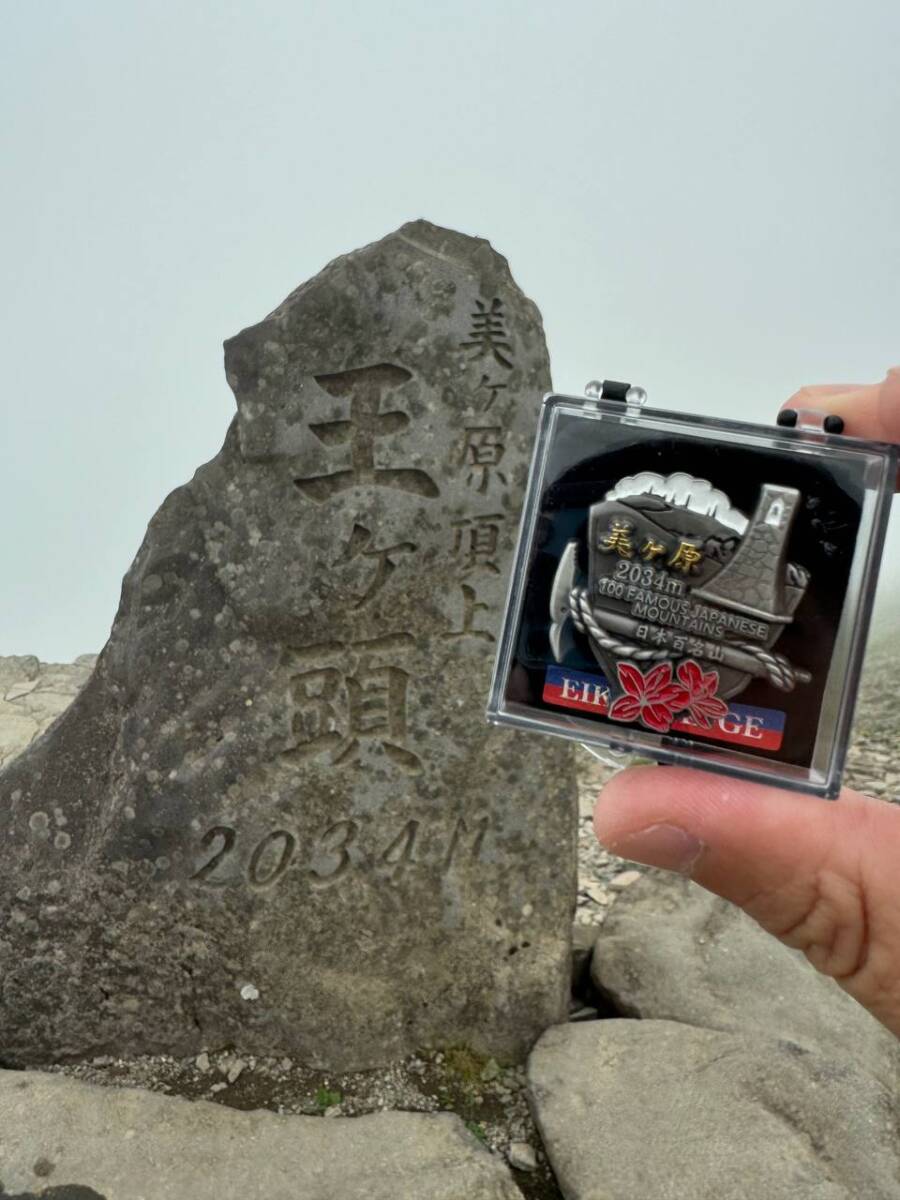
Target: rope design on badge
[778, 670]
[585, 622]
[796, 575]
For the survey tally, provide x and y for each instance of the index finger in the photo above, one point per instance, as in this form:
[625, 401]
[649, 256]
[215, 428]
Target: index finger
[868, 410]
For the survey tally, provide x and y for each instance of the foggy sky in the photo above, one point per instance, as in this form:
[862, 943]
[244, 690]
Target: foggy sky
[703, 198]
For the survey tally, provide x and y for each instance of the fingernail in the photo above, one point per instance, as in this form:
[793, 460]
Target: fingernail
[666, 846]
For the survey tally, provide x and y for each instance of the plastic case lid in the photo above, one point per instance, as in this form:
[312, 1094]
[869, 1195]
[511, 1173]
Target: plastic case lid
[694, 590]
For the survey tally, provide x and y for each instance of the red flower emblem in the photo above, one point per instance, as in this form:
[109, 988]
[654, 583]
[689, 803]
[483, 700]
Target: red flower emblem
[653, 698]
[704, 708]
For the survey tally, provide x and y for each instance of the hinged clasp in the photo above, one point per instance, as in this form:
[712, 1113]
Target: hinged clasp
[634, 398]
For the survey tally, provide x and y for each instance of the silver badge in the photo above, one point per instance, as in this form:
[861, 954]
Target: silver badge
[675, 572]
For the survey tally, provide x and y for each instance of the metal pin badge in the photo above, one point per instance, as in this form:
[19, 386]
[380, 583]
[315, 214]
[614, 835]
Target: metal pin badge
[693, 589]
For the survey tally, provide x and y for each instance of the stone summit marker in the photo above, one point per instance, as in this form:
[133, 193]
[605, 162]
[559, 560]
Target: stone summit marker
[274, 816]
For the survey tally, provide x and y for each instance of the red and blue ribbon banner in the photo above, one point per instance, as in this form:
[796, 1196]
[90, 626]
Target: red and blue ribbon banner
[743, 724]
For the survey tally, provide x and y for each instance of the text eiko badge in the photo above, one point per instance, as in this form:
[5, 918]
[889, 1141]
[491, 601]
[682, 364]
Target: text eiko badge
[695, 590]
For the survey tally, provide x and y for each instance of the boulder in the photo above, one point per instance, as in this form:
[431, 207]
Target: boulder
[65, 1140]
[274, 816]
[672, 950]
[658, 1110]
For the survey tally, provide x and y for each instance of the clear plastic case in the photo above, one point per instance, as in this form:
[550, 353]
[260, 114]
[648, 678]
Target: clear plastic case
[694, 590]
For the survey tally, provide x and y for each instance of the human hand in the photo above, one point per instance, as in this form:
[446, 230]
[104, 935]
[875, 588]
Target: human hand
[822, 877]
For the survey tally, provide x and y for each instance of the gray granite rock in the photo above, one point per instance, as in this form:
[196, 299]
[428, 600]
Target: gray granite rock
[657, 1110]
[670, 949]
[275, 816]
[80, 1142]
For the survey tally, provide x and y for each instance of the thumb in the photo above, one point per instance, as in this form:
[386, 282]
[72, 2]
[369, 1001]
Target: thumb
[819, 875]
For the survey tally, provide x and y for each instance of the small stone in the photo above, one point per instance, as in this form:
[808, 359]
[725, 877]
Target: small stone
[20, 689]
[333, 1110]
[625, 879]
[491, 1070]
[218, 1087]
[202, 1062]
[521, 1157]
[583, 940]
[235, 1070]
[584, 1012]
[249, 992]
[596, 893]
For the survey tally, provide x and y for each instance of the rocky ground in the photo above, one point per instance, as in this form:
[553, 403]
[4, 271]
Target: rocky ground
[490, 1099]
[32, 694]
[873, 764]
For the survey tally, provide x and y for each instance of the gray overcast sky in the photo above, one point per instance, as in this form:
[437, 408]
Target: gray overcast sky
[702, 197]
